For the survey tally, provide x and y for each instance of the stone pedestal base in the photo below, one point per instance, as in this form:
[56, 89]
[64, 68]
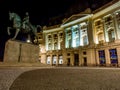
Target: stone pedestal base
[17, 51]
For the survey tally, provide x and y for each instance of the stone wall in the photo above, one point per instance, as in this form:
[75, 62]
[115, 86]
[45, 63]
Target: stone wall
[17, 51]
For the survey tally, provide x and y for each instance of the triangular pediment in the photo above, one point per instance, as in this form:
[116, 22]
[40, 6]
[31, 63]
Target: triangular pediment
[78, 16]
[74, 17]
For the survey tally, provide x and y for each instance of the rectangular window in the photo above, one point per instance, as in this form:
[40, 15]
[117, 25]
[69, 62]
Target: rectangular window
[60, 59]
[49, 37]
[100, 37]
[54, 59]
[118, 18]
[49, 46]
[55, 46]
[102, 57]
[69, 39]
[84, 53]
[68, 54]
[113, 56]
[111, 35]
[48, 59]
[61, 37]
[108, 22]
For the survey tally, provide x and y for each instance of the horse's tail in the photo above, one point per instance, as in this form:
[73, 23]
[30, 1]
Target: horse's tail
[8, 30]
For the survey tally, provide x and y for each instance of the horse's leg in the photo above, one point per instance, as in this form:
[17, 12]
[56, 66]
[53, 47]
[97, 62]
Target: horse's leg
[8, 30]
[16, 33]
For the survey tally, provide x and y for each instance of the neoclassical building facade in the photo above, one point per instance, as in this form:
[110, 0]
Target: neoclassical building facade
[90, 38]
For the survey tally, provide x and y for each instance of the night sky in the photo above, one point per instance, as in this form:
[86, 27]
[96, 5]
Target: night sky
[41, 12]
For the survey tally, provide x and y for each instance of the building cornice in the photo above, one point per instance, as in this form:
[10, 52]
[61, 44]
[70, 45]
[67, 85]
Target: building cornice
[77, 21]
[106, 10]
[52, 30]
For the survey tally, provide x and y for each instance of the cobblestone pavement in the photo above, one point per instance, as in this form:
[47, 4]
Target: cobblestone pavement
[64, 78]
[9, 74]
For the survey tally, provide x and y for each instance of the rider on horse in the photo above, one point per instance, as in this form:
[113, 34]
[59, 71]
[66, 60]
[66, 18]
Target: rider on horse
[26, 20]
[24, 26]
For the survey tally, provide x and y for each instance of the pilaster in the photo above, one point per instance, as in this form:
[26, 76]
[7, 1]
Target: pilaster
[118, 55]
[107, 57]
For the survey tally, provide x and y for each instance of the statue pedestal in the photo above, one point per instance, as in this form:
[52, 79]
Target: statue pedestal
[17, 51]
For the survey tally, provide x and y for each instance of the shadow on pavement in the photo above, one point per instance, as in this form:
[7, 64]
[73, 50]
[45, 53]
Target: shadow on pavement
[68, 79]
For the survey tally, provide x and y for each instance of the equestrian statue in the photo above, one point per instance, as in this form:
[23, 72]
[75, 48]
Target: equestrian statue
[20, 25]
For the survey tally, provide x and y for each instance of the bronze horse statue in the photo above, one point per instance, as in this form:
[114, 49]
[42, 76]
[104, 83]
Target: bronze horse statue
[16, 24]
[21, 26]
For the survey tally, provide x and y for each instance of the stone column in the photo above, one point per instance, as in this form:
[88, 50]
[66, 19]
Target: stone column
[97, 57]
[107, 57]
[64, 58]
[80, 57]
[51, 61]
[57, 61]
[52, 41]
[116, 27]
[72, 58]
[65, 38]
[105, 31]
[118, 55]
[91, 57]
[72, 35]
[43, 58]
[59, 42]
[46, 42]
[79, 33]
[90, 32]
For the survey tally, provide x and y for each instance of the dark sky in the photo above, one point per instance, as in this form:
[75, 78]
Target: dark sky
[40, 11]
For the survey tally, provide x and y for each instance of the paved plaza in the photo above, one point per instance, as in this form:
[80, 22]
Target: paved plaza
[59, 78]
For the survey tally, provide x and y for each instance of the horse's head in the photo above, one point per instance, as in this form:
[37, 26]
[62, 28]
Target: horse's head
[14, 16]
[11, 15]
